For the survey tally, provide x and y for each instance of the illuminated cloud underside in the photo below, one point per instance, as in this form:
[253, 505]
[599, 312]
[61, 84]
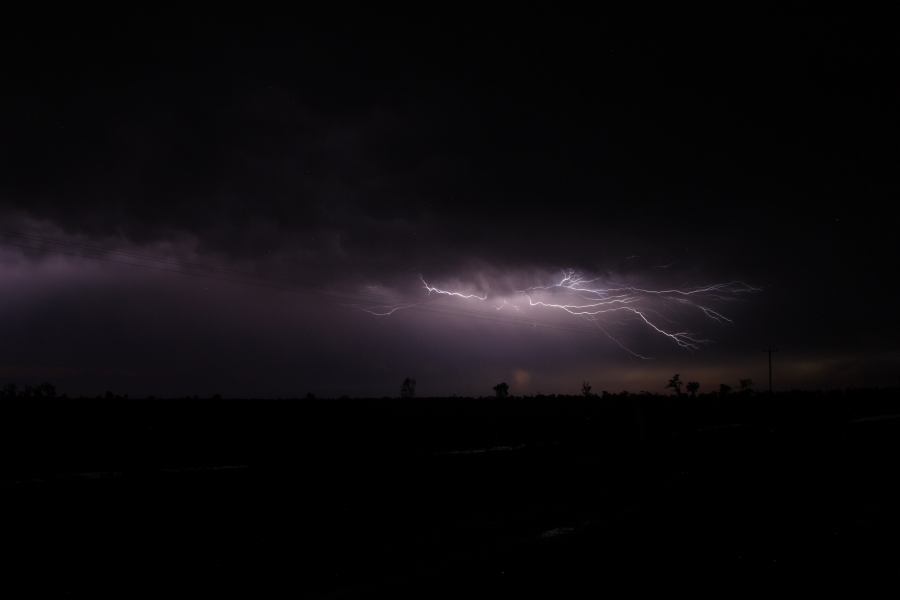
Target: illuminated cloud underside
[585, 299]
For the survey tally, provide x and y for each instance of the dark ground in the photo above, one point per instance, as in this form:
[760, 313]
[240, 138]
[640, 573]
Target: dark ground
[448, 498]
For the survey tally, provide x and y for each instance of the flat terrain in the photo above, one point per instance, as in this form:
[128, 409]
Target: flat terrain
[448, 497]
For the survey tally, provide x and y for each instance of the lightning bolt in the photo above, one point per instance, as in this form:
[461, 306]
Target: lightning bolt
[434, 290]
[586, 300]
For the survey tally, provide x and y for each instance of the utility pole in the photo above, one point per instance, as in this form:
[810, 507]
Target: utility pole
[770, 350]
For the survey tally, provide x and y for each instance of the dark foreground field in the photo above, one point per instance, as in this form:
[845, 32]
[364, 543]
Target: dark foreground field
[448, 498]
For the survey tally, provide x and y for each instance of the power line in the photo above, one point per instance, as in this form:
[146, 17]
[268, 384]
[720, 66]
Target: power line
[770, 350]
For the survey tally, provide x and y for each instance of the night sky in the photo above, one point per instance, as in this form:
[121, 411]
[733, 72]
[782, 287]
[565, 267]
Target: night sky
[229, 203]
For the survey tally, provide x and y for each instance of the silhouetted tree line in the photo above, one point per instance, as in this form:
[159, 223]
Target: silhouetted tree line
[678, 387]
[43, 391]
[47, 391]
[675, 384]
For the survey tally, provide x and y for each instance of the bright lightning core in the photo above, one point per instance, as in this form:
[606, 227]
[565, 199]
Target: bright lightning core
[575, 296]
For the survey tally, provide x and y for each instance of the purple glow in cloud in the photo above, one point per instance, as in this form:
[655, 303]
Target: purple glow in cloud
[582, 297]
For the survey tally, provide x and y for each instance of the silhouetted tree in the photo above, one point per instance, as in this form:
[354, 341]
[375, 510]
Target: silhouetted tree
[586, 389]
[724, 389]
[501, 389]
[693, 387]
[408, 389]
[9, 391]
[675, 384]
[746, 385]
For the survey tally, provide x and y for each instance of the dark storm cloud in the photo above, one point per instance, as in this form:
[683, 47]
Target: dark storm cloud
[474, 145]
[343, 157]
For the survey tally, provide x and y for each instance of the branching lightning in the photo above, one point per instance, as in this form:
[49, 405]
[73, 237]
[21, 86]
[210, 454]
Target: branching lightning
[585, 299]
